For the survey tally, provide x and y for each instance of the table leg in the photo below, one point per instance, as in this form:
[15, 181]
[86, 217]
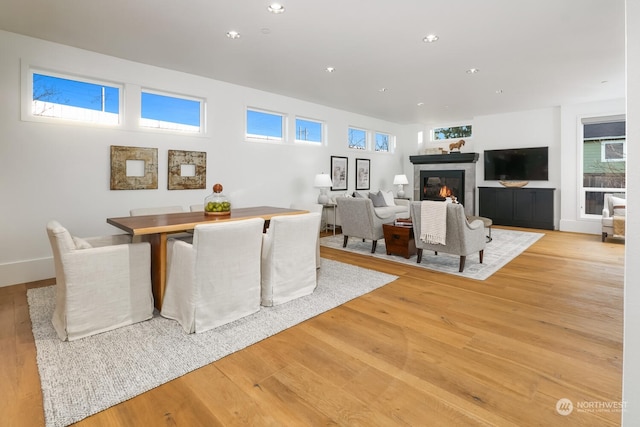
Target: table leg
[158, 267]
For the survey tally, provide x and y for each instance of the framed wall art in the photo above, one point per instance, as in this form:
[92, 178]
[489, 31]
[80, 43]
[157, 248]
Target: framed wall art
[187, 170]
[339, 173]
[362, 174]
[134, 168]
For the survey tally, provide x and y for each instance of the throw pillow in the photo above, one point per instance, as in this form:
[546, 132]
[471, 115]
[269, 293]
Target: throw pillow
[377, 199]
[357, 195]
[81, 243]
[388, 197]
[619, 206]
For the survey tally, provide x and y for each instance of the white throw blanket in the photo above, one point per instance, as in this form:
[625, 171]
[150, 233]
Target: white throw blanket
[433, 222]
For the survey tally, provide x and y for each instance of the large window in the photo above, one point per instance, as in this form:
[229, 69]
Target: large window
[603, 162]
[308, 130]
[162, 111]
[64, 97]
[357, 138]
[451, 132]
[265, 125]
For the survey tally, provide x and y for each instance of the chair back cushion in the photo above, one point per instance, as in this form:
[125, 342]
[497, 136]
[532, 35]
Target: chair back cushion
[289, 257]
[226, 271]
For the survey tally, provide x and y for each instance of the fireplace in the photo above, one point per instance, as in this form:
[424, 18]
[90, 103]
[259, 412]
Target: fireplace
[440, 184]
[456, 171]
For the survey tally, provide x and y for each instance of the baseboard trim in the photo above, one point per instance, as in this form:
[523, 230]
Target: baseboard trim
[32, 270]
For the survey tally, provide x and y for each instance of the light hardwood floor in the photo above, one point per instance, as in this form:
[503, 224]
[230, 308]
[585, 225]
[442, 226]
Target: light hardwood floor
[428, 349]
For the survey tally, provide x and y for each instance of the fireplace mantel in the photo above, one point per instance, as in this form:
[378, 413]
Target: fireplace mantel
[454, 157]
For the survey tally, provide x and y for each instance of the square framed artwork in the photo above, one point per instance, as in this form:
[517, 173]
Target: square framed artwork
[339, 173]
[134, 168]
[187, 170]
[363, 168]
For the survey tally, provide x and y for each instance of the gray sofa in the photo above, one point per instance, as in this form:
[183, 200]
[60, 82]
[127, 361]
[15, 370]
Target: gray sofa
[399, 208]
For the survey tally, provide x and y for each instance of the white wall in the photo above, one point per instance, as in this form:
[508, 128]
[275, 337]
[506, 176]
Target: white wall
[61, 171]
[631, 367]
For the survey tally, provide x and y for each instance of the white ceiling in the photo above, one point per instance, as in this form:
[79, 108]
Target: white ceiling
[539, 53]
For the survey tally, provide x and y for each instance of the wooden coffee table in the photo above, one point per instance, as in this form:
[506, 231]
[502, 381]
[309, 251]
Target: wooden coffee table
[399, 240]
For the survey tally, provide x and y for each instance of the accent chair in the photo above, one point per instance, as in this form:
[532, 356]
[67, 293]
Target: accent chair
[360, 220]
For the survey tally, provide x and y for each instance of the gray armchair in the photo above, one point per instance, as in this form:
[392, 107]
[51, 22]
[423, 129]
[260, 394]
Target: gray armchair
[359, 219]
[462, 238]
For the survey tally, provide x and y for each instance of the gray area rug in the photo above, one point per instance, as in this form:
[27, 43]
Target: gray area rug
[83, 377]
[505, 246]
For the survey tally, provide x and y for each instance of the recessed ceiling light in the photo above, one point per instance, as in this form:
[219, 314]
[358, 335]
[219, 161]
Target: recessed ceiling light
[382, 89]
[330, 69]
[275, 8]
[472, 71]
[430, 38]
[233, 34]
[420, 104]
[499, 91]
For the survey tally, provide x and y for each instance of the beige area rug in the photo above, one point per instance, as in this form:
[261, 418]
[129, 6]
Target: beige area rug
[86, 376]
[505, 246]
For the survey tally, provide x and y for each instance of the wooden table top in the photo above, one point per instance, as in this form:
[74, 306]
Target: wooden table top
[184, 221]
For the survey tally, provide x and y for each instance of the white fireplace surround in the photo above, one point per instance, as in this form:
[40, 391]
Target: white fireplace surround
[466, 162]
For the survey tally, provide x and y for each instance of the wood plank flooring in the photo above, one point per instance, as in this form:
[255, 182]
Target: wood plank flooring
[428, 349]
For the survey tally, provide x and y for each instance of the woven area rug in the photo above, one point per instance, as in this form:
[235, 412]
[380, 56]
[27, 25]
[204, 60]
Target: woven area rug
[505, 246]
[83, 377]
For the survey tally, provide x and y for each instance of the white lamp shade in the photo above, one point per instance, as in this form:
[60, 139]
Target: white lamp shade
[322, 180]
[400, 180]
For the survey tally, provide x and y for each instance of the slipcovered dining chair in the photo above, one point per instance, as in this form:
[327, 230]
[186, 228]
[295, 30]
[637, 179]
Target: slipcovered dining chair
[102, 283]
[462, 238]
[289, 258]
[359, 219]
[215, 280]
[311, 207]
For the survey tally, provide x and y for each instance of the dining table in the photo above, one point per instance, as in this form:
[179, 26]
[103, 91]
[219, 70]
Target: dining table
[157, 229]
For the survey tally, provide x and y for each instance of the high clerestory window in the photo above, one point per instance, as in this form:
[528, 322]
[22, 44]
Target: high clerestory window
[160, 110]
[65, 97]
[451, 132]
[357, 138]
[263, 125]
[308, 130]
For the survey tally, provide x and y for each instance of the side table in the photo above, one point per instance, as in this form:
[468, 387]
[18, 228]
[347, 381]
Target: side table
[399, 240]
[328, 206]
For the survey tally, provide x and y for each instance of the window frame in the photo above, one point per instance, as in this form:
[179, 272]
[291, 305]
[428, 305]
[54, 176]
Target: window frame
[202, 129]
[434, 138]
[27, 114]
[582, 189]
[366, 138]
[390, 142]
[265, 138]
[310, 142]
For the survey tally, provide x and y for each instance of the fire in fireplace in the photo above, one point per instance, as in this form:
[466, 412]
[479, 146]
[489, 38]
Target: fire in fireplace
[440, 184]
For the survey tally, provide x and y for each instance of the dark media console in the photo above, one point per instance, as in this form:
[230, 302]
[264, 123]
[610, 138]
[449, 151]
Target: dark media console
[518, 207]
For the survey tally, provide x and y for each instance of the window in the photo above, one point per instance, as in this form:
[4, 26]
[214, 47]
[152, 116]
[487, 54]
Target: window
[382, 142]
[603, 162]
[309, 131]
[357, 138]
[453, 132]
[263, 125]
[74, 99]
[161, 111]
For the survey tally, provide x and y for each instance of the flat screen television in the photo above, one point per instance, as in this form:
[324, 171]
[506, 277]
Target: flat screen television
[517, 164]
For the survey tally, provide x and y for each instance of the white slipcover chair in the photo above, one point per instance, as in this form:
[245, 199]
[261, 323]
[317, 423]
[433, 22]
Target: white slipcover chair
[102, 283]
[289, 257]
[311, 207]
[215, 280]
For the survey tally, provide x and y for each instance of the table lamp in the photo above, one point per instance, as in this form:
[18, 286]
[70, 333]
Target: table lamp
[400, 181]
[323, 182]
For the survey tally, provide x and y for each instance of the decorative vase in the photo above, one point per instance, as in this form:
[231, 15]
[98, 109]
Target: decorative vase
[217, 203]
